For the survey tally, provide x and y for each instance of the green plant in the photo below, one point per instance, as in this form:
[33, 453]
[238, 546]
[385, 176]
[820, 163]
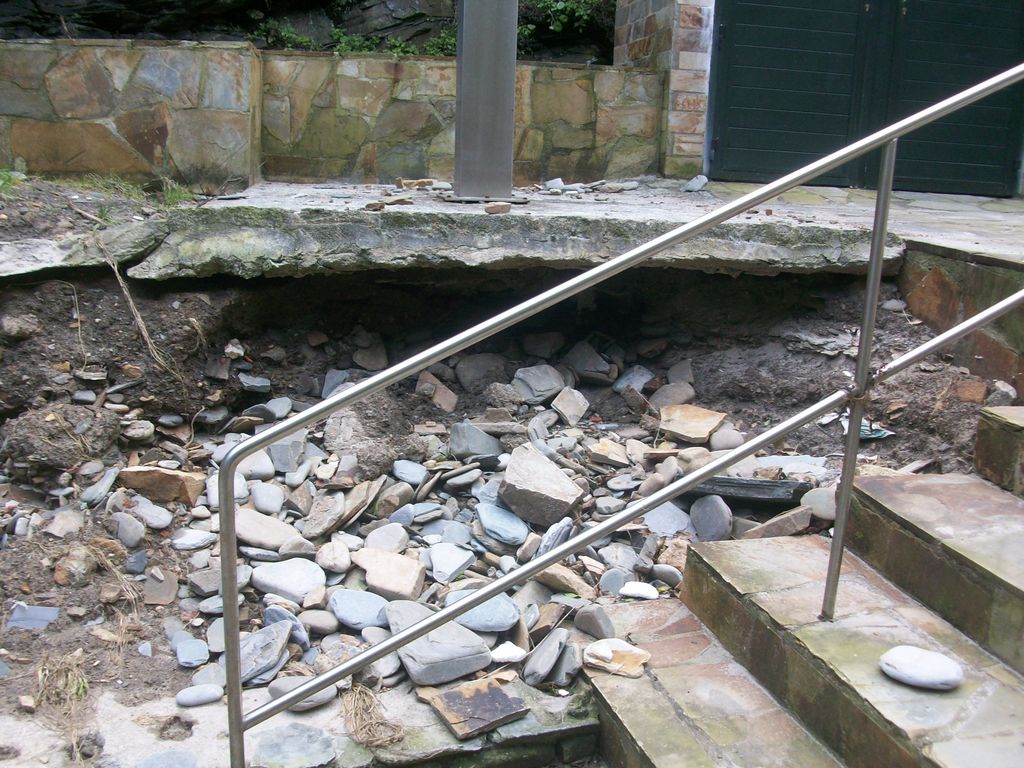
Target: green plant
[400, 47]
[175, 193]
[343, 42]
[561, 15]
[7, 182]
[279, 34]
[444, 43]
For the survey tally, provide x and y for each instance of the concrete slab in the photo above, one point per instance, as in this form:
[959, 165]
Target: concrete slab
[828, 672]
[694, 706]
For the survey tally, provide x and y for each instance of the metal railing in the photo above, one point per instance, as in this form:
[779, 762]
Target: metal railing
[238, 722]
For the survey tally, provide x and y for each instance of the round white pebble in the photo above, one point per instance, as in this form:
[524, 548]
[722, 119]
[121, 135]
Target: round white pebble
[639, 589]
[507, 653]
[921, 668]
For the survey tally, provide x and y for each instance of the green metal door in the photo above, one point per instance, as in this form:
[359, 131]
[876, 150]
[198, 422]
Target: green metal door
[786, 76]
[796, 79]
[941, 47]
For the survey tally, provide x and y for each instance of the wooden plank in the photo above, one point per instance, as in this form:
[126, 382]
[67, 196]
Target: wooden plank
[476, 707]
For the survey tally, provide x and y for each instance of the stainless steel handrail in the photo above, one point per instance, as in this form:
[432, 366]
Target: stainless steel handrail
[238, 722]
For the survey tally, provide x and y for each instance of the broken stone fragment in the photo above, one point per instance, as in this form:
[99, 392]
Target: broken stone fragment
[536, 489]
[292, 579]
[544, 657]
[690, 422]
[571, 405]
[394, 577]
[161, 484]
[432, 388]
[607, 451]
[466, 440]
[326, 514]
[616, 656]
[538, 384]
[561, 579]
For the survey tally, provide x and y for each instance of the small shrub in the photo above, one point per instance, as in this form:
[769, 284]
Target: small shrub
[444, 43]
[7, 182]
[343, 42]
[400, 47]
[175, 193]
[280, 34]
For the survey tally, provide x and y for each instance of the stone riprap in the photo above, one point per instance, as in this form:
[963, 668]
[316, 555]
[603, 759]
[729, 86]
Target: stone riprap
[132, 109]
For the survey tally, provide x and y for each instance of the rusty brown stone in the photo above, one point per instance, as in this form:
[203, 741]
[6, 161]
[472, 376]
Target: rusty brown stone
[79, 87]
[74, 148]
[146, 130]
[936, 299]
[159, 484]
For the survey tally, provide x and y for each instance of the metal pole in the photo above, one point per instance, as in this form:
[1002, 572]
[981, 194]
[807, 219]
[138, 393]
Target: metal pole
[861, 378]
[533, 567]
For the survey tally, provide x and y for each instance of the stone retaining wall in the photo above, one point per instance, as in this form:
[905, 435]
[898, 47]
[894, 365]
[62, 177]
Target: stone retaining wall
[370, 118]
[211, 115]
[133, 109]
[943, 288]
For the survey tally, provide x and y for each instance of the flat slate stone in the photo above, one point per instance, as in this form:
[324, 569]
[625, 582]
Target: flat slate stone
[593, 620]
[545, 656]
[292, 579]
[446, 653]
[197, 695]
[448, 561]
[192, 653]
[262, 650]
[358, 609]
[497, 614]
[260, 530]
[293, 746]
[502, 524]
[465, 440]
[283, 685]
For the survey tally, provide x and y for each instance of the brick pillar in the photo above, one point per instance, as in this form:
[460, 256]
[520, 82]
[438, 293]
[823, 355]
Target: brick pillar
[673, 35]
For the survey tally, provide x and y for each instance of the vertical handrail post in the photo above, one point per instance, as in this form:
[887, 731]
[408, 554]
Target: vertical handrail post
[229, 595]
[861, 379]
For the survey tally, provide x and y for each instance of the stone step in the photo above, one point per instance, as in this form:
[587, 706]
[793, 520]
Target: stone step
[762, 597]
[999, 447]
[954, 542]
[694, 707]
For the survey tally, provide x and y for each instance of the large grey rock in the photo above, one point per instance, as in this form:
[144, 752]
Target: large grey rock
[667, 519]
[409, 472]
[476, 372]
[260, 530]
[325, 515]
[497, 614]
[544, 657]
[390, 538]
[444, 654]
[538, 384]
[129, 531]
[712, 518]
[465, 440]
[187, 539]
[292, 579]
[448, 561]
[261, 651]
[293, 746]
[267, 498]
[258, 466]
[192, 653]
[153, 515]
[334, 556]
[358, 609]
[275, 613]
[536, 489]
[502, 524]
[197, 695]
[283, 685]
[593, 620]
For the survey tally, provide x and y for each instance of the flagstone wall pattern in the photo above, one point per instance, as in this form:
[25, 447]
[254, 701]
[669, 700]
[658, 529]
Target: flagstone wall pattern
[219, 116]
[184, 111]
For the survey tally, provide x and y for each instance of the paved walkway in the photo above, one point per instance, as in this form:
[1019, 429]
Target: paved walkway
[987, 229]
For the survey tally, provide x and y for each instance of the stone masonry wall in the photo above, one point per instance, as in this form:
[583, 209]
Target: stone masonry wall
[672, 36]
[373, 118]
[944, 290]
[133, 109]
[212, 115]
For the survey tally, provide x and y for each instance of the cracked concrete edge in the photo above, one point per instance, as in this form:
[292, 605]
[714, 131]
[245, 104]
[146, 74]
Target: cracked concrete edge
[123, 244]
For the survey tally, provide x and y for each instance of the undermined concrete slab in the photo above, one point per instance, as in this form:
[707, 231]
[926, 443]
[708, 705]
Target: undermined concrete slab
[274, 231]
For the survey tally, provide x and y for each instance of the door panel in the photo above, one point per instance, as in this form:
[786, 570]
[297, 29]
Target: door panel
[796, 79]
